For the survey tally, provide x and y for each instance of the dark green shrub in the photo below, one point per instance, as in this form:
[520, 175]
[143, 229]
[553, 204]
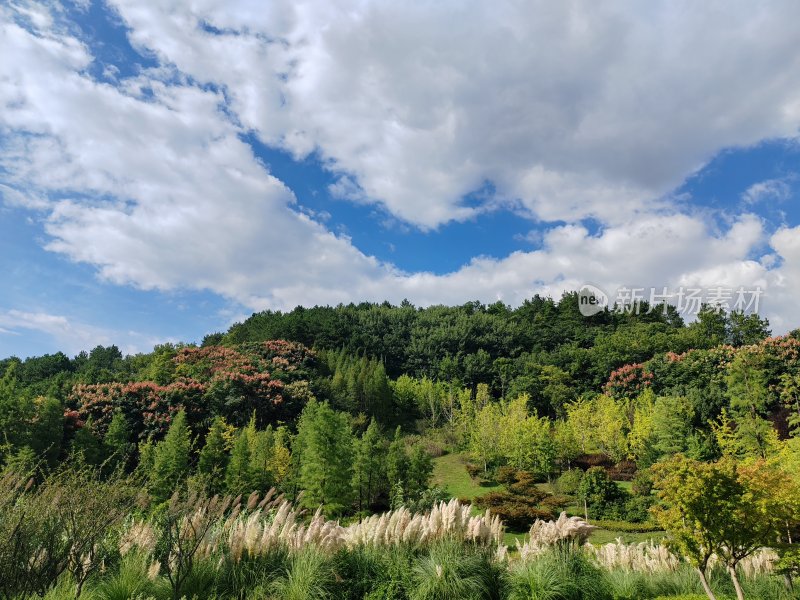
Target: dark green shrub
[517, 512]
[525, 485]
[473, 470]
[506, 475]
[569, 482]
[603, 498]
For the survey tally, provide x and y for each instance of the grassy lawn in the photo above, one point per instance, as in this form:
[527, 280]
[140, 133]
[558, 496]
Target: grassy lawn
[449, 473]
[605, 536]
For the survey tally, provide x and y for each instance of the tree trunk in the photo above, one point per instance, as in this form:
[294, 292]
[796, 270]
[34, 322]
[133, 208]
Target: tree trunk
[736, 585]
[704, 581]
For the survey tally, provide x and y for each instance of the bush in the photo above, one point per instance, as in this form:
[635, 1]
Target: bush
[58, 527]
[642, 484]
[525, 485]
[569, 482]
[473, 470]
[604, 498]
[555, 503]
[637, 509]
[506, 475]
[517, 512]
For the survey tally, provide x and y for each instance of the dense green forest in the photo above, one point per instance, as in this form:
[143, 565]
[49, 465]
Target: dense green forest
[262, 463]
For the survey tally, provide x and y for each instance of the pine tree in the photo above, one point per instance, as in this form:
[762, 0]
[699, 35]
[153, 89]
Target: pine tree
[368, 468]
[87, 447]
[261, 448]
[214, 457]
[420, 469]
[171, 459]
[117, 440]
[237, 475]
[378, 393]
[280, 462]
[324, 452]
[396, 460]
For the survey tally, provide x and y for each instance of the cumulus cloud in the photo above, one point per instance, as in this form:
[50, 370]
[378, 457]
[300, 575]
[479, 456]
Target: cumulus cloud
[569, 110]
[575, 108]
[157, 191]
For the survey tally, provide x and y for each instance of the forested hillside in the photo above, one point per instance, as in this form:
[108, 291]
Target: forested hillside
[353, 410]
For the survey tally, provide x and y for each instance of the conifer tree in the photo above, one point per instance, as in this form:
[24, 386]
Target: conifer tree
[261, 449]
[171, 459]
[396, 460]
[368, 471]
[280, 462]
[237, 475]
[213, 457]
[420, 469]
[117, 440]
[324, 451]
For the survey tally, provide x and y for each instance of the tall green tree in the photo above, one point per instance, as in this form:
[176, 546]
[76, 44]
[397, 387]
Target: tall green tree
[171, 459]
[118, 441]
[47, 430]
[324, 450]
[672, 424]
[369, 475]
[420, 470]
[396, 459]
[213, 459]
[238, 476]
[748, 390]
[262, 449]
[87, 446]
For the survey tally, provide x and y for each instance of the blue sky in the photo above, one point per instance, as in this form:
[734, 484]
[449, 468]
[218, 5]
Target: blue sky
[166, 170]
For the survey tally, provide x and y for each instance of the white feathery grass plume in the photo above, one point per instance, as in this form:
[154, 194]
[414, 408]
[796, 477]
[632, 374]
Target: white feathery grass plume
[256, 532]
[445, 520]
[761, 562]
[644, 557]
[138, 535]
[547, 534]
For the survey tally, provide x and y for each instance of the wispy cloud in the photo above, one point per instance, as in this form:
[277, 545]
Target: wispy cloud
[770, 189]
[71, 335]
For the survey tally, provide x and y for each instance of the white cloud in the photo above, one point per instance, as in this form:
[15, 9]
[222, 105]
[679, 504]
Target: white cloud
[770, 189]
[71, 336]
[150, 182]
[577, 108]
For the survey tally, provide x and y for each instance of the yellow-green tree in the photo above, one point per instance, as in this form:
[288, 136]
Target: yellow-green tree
[723, 508]
[525, 440]
[486, 432]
